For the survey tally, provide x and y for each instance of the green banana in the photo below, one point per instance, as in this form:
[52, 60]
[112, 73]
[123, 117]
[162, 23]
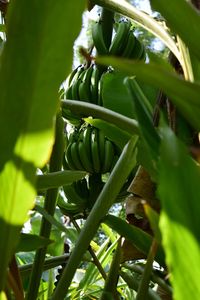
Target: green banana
[75, 156]
[84, 158]
[137, 50]
[109, 155]
[87, 139]
[101, 146]
[68, 93]
[119, 41]
[84, 87]
[69, 159]
[72, 74]
[98, 39]
[95, 85]
[95, 151]
[130, 45]
[72, 196]
[81, 187]
[100, 87]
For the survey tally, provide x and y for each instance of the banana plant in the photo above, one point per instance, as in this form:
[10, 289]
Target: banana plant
[106, 170]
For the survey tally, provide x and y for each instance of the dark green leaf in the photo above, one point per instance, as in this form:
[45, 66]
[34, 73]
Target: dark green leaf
[184, 94]
[140, 239]
[31, 242]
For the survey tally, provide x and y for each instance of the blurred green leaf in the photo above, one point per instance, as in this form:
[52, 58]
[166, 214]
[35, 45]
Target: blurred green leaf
[185, 11]
[184, 94]
[30, 242]
[35, 60]
[179, 191]
[115, 134]
[140, 239]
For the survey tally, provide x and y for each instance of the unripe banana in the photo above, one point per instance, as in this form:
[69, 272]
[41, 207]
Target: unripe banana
[101, 146]
[95, 85]
[109, 155]
[98, 39]
[69, 159]
[130, 45]
[137, 50]
[81, 188]
[75, 156]
[87, 139]
[85, 85]
[72, 197]
[95, 151]
[84, 158]
[119, 41]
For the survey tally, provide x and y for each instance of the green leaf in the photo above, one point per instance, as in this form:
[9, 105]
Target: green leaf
[35, 60]
[57, 179]
[140, 239]
[30, 242]
[115, 134]
[144, 117]
[185, 11]
[115, 95]
[184, 94]
[180, 193]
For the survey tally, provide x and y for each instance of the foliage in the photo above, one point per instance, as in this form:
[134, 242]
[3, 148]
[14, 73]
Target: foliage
[106, 170]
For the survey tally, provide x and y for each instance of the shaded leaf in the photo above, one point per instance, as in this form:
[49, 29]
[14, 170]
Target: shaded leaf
[138, 237]
[184, 94]
[30, 242]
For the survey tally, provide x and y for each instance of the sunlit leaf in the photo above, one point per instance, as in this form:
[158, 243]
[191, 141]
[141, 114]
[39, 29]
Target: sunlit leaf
[35, 60]
[179, 191]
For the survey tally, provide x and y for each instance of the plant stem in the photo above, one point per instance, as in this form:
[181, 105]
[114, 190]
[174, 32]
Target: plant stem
[154, 278]
[87, 109]
[49, 206]
[144, 284]
[95, 259]
[106, 198]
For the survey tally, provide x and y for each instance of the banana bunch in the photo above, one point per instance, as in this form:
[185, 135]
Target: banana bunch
[91, 151]
[83, 84]
[123, 44]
